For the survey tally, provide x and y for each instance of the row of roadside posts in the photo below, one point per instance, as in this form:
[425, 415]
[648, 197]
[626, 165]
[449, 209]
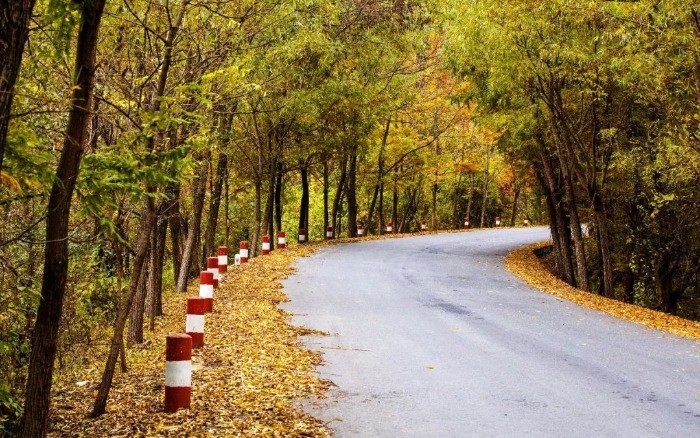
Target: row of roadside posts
[178, 354]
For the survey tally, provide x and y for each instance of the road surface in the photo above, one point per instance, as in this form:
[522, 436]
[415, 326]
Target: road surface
[432, 337]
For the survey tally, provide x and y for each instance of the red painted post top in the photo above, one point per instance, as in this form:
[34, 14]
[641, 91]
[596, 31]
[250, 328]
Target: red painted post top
[206, 277]
[178, 346]
[197, 305]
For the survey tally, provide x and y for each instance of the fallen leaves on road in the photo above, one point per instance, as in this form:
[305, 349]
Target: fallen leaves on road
[525, 264]
[247, 379]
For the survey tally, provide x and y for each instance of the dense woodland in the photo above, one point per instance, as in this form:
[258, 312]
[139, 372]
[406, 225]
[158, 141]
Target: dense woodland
[137, 135]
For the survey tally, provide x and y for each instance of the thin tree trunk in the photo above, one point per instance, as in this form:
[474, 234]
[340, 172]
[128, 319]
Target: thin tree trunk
[325, 197]
[352, 192]
[148, 217]
[579, 250]
[175, 225]
[470, 200]
[339, 195]
[304, 205]
[214, 204]
[46, 326]
[134, 334]
[514, 211]
[560, 220]
[258, 217]
[279, 184]
[14, 30]
[189, 254]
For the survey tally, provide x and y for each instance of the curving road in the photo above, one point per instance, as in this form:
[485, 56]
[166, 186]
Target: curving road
[432, 337]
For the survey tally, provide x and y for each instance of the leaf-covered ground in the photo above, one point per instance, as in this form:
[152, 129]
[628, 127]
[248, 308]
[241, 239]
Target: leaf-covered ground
[245, 381]
[525, 264]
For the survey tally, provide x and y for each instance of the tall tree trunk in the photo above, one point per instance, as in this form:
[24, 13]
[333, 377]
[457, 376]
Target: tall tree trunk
[258, 218]
[561, 223]
[214, 204]
[604, 242]
[279, 176]
[395, 205]
[134, 334]
[148, 217]
[579, 250]
[189, 254]
[352, 192]
[14, 30]
[339, 193]
[470, 199]
[380, 208]
[514, 211]
[154, 302]
[175, 225]
[379, 187]
[304, 205]
[325, 197]
[46, 326]
[268, 217]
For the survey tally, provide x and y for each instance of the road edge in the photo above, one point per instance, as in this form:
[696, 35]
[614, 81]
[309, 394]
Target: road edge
[528, 267]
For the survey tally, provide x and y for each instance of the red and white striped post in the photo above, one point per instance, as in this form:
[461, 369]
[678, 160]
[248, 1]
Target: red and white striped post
[390, 228]
[244, 251]
[423, 226]
[223, 259]
[206, 288]
[498, 221]
[466, 223]
[213, 267]
[266, 245]
[302, 235]
[178, 371]
[329, 232]
[360, 230]
[194, 323]
[281, 240]
[526, 222]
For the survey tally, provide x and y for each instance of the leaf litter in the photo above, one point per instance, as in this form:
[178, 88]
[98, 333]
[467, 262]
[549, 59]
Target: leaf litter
[525, 264]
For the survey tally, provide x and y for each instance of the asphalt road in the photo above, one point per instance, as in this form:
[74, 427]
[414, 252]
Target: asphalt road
[432, 337]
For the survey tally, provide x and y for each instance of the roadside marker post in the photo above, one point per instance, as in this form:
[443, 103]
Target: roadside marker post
[266, 245]
[390, 228]
[213, 267]
[360, 230]
[466, 223]
[244, 251]
[498, 221]
[223, 259]
[329, 232]
[178, 372]
[423, 226]
[194, 323]
[302, 235]
[206, 289]
[281, 240]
